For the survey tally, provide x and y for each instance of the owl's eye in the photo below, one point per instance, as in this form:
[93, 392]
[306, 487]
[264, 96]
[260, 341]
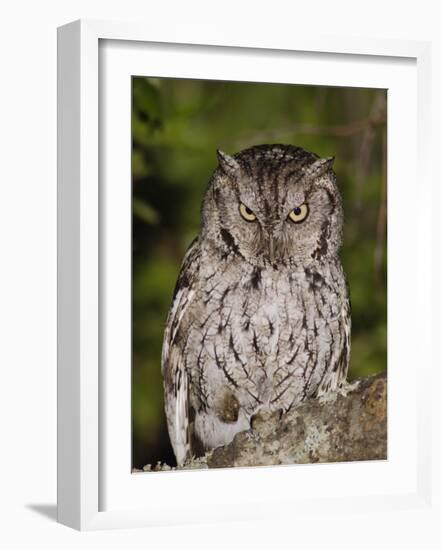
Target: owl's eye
[246, 213]
[299, 214]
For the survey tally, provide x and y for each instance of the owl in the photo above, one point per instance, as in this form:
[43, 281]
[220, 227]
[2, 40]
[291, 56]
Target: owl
[260, 317]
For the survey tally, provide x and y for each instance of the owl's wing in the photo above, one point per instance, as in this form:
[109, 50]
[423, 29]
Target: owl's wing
[336, 375]
[346, 323]
[173, 368]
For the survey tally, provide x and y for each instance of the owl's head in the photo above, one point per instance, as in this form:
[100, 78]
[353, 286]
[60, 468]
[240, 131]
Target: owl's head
[274, 204]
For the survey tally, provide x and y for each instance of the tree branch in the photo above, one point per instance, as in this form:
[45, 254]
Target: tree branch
[344, 426]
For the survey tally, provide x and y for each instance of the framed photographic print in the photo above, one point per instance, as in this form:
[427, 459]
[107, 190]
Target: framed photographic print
[262, 296]
[229, 322]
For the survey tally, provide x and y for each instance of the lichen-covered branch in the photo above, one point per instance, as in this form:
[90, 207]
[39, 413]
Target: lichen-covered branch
[344, 426]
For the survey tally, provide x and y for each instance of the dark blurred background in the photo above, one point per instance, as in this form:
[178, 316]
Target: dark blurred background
[177, 125]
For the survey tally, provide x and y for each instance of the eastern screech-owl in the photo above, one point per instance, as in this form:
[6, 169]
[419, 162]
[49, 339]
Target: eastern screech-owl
[260, 316]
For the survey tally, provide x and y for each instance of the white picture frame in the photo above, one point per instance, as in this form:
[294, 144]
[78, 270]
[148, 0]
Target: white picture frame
[95, 492]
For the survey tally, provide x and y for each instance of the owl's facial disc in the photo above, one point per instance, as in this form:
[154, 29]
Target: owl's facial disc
[274, 204]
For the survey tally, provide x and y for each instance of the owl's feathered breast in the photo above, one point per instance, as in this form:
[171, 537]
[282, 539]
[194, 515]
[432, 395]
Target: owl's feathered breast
[240, 337]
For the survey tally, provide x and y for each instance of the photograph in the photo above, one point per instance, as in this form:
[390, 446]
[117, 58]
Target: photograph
[259, 274]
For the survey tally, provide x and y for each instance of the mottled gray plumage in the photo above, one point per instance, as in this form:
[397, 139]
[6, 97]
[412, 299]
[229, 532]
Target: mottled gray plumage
[260, 317]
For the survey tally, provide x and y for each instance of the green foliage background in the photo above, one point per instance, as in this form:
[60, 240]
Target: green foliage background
[177, 125]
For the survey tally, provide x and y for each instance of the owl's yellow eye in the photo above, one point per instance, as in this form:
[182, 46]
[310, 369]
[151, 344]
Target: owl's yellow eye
[246, 213]
[298, 214]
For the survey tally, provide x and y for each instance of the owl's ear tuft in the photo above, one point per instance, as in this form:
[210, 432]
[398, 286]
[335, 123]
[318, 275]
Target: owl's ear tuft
[319, 168]
[227, 163]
